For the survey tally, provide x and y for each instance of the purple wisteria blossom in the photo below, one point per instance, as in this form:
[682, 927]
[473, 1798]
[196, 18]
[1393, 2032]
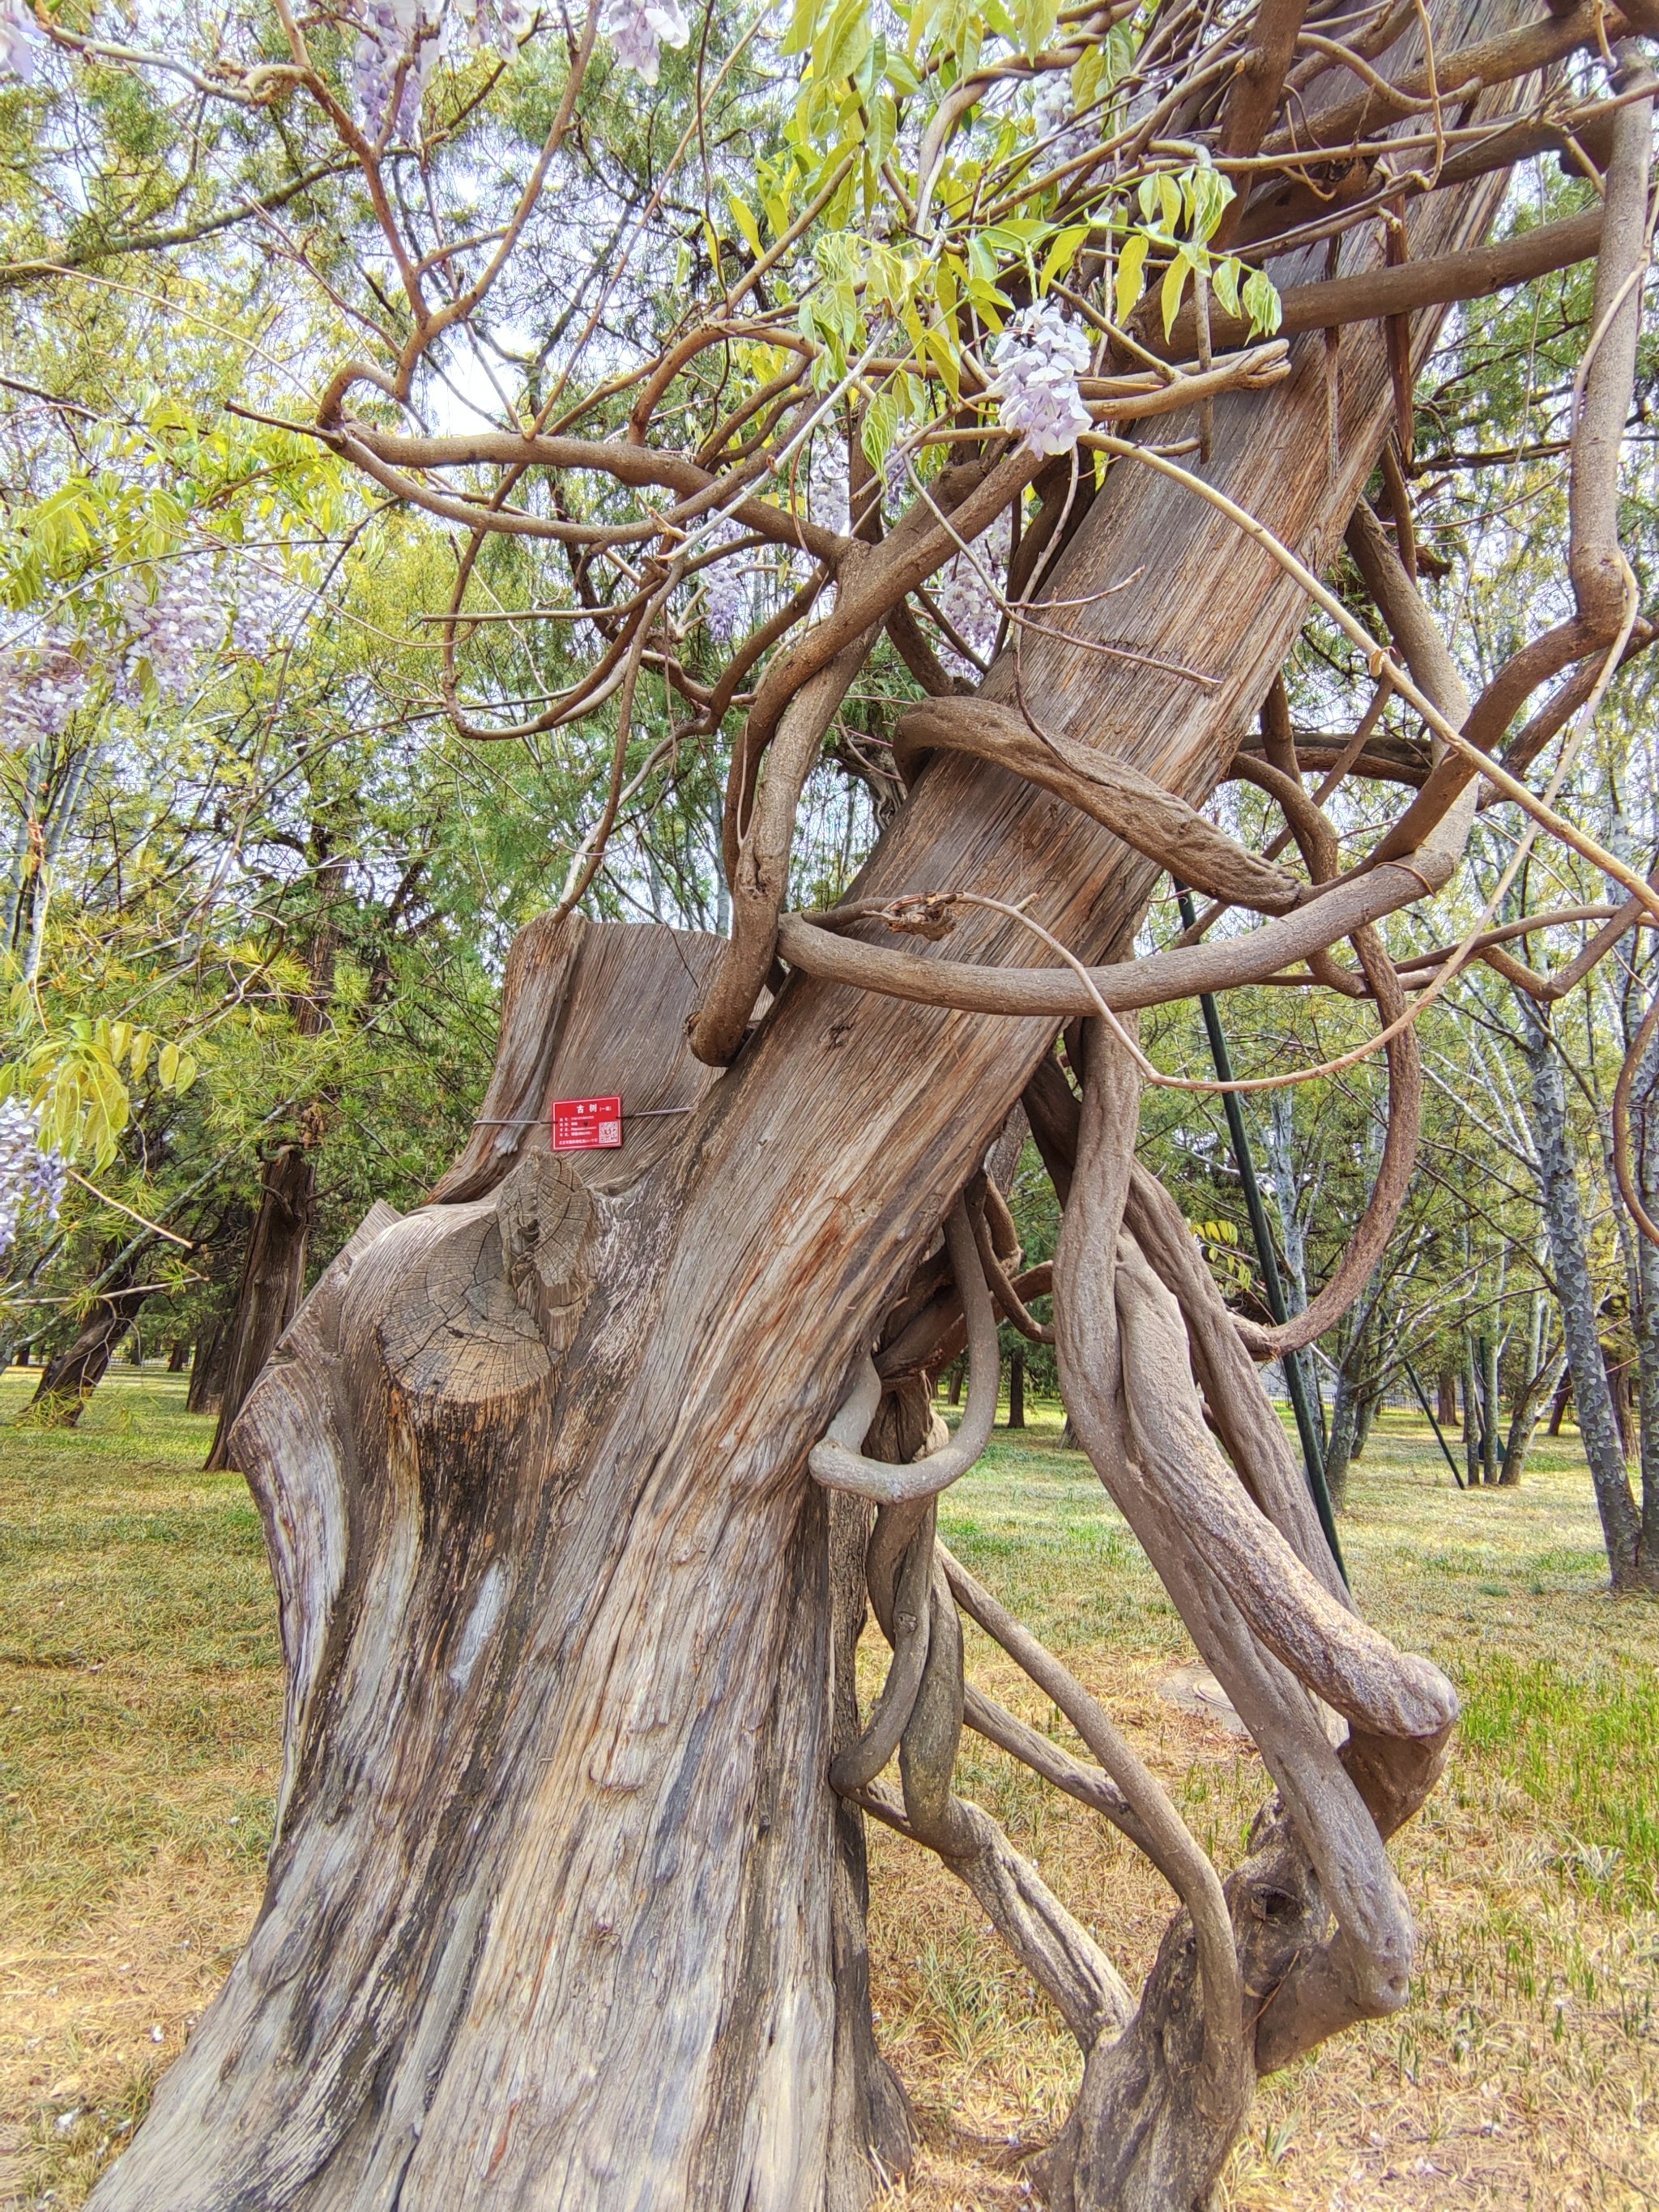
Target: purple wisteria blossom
[40, 689]
[395, 34]
[172, 632]
[19, 41]
[728, 600]
[414, 36]
[1052, 110]
[639, 29]
[30, 1180]
[503, 25]
[259, 613]
[1038, 360]
[963, 594]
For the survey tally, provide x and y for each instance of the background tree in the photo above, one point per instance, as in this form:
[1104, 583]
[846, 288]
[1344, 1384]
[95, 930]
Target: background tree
[766, 413]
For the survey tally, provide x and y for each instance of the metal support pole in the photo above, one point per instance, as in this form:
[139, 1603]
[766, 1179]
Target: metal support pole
[1307, 1425]
[1423, 1401]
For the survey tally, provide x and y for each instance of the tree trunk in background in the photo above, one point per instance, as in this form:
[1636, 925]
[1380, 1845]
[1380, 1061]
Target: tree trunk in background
[556, 1917]
[70, 1377]
[1279, 1134]
[207, 1368]
[1017, 1392]
[1339, 1445]
[272, 1284]
[1524, 1421]
[1357, 1387]
[1471, 1416]
[178, 1353]
[1491, 1409]
[1645, 1319]
[1445, 1398]
[1563, 1399]
[1632, 1565]
[274, 1272]
[1370, 1399]
[1618, 1374]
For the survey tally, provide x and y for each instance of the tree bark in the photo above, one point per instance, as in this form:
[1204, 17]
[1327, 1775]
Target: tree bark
[1491, 1411]
[207, 1368]
[1017, 1392]
[1445, 1397]
[1631, 1565]
[1339, 1446]
[272, 1283]
[1646, 1318]
[551, 1919]
[1472, 1436]
[1618, 1396]
[1563, 1399]
[1523, 1422]
[70, 1377]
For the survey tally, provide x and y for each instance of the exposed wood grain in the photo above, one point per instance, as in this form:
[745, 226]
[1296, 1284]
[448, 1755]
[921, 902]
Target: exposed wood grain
[591, 1011]
[550, 1919]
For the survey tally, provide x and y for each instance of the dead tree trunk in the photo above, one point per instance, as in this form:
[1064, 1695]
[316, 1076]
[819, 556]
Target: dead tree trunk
[272, 1284]
[558, 1913]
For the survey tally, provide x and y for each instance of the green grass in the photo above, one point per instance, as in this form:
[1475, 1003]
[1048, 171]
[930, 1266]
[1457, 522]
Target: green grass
[1585, 1754]
[1526, 2071]
[140, 1702]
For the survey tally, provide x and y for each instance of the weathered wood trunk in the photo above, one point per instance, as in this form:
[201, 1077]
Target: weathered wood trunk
[273, 1282]
[552, 1920]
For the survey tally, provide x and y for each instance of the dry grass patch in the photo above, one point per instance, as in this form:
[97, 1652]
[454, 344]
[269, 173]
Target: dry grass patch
[140, 1705]
[140, 1702]
[1526, 2072]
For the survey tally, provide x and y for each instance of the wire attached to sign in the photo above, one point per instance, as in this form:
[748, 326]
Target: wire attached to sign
[532, 1121]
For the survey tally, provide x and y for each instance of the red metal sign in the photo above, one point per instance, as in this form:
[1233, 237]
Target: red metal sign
[586, 1125]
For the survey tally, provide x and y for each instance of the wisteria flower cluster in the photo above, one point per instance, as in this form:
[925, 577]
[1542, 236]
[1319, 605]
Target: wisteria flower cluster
[38, 691]
[728, 590]
[19, 41]
[413, 36]
[31, 1180]
[961, 597]
[639, 29]
[964, 598]
[1038, 360]
[260, 612]
[501, 25]
[172, 632]
[1052, 110]
[394, 34]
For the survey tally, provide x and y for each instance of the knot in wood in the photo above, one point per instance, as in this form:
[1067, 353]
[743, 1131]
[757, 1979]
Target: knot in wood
[498, 1289]
[923, 914]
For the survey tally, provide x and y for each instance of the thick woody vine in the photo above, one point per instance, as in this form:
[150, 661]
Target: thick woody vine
[989, 263]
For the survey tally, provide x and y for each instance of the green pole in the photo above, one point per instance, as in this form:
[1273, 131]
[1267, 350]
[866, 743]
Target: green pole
[1423, 1401]
[1307, 1425]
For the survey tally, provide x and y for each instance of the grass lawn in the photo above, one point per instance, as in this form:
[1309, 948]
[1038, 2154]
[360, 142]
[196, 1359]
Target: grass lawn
[140, 1697]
